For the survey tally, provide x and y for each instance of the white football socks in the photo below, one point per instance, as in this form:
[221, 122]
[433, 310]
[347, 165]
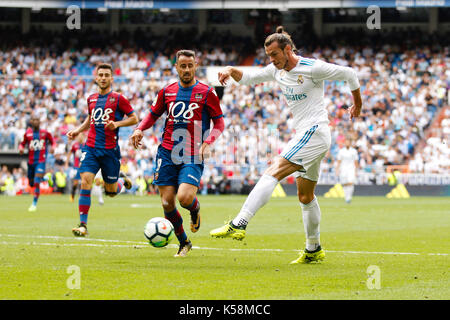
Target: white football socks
[98, 191]
[348, 192]
[311, 222]
[257, 198]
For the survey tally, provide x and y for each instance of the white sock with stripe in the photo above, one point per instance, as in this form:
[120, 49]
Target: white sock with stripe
[311, 222]
[259, 196]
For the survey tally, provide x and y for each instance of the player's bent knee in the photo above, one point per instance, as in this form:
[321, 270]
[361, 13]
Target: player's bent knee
[185, 199]
[305, 198]
[86, 185]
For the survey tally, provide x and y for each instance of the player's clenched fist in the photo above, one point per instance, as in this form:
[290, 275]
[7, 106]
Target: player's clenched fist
[111, 125]
[136, 138]
[72, 134]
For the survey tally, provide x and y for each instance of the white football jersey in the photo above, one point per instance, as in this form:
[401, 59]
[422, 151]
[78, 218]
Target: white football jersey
[347, 158]
[303, 87]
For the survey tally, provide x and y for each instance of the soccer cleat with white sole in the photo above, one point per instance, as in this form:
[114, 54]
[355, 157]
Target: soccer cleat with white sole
[229, 231]
[308, 257]
[32, 208]
[185, 247]
[80, 231]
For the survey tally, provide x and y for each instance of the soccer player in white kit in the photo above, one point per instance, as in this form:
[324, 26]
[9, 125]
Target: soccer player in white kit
[302, 83]
[347, 163]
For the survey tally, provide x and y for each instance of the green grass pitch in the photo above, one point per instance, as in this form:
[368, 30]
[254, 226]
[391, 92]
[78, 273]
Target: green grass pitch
[407, 240]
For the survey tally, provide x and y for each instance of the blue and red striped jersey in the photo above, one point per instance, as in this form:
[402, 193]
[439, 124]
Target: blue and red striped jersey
[102, 109]
[38, 143]
[189, 113]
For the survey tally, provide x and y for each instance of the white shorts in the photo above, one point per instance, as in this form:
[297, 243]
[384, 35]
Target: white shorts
[347, 177]
[307, 149]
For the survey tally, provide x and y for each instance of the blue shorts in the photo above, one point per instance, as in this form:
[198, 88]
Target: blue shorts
[33, 169]
[94, 159]
[168, 173]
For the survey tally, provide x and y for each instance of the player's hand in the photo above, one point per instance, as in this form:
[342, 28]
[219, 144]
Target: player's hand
[111, 125]
[136, 138]
[72, 134]
[224, 76]
[354, 111]
[21, 150]
[205, 151]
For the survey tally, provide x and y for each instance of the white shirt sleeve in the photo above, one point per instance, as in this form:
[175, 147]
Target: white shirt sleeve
[327, 71]
[263, 75]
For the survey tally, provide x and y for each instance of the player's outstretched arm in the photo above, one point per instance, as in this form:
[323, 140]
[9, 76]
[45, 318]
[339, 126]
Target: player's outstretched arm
[22, 144]
[247, 78]
[228, 72]
[216, 131]
[355, 109]
[328, 71]
[83, 127]
[146, 123]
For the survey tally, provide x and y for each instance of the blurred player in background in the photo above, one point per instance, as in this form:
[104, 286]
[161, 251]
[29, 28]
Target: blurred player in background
[97, 187]
[347, 164]
[74, 154]
[106, 111]
[190, 106]
[302, 83]
[39, 142]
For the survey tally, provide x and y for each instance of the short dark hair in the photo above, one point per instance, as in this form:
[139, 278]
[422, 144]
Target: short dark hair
[186, 53]
[104, 65]
[282, 38]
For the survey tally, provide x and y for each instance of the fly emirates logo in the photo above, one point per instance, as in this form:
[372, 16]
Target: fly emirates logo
[100, 116]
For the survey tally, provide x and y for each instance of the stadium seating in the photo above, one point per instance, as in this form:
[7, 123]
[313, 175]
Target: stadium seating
[404, 87]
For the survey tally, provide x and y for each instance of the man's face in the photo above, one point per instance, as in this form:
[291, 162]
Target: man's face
[348, 143]
[35, 122]
[186, 68]
[103, 78]
[277, 56]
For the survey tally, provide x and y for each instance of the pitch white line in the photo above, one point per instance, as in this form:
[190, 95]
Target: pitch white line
[142, 244]
[67, 238]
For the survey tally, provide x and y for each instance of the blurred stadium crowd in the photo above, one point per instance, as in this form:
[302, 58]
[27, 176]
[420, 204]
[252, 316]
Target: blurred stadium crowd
[404, 76]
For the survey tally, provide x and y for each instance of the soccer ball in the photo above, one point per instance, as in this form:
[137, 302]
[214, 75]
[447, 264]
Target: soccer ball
[159, 232]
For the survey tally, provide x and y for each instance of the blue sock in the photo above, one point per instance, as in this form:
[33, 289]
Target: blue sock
[37, 190]
[84, 204]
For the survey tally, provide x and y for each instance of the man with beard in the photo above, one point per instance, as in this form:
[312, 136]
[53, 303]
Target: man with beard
[106, 111]
[301, 81]
[190, 106]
